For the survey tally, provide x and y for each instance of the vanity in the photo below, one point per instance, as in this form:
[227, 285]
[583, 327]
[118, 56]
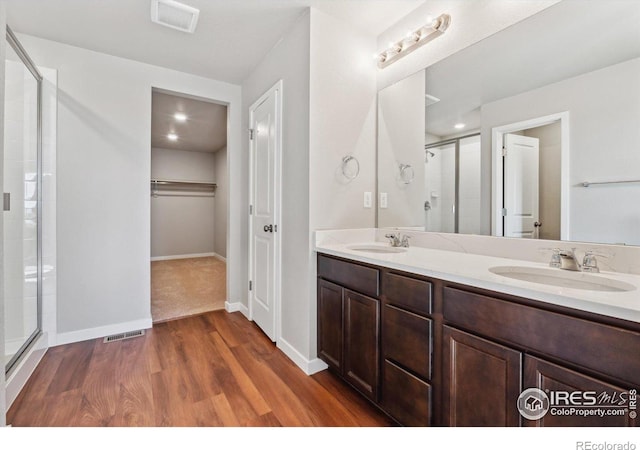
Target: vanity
[435, 338]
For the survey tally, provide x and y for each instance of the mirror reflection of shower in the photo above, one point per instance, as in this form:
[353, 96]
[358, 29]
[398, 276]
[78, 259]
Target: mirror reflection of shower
[452, 185]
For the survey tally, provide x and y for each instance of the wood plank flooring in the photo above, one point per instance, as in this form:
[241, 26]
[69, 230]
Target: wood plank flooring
[215, 369]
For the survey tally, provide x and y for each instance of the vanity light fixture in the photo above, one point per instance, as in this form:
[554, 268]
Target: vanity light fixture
[172, 137]
[180, 117]
[414, 40]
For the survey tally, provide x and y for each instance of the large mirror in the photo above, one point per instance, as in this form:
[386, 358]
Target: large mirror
[533, 132]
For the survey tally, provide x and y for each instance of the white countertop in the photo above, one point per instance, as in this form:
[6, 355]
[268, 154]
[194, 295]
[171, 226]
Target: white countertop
[473, 270]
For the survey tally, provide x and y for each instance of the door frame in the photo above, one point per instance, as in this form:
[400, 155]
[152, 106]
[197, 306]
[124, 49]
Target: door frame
[277, 90]
[497, 138]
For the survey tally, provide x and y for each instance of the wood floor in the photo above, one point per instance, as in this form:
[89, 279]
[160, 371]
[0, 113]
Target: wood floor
[215, 369]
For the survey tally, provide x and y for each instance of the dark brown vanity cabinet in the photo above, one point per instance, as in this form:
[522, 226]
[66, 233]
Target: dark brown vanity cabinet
[407, 351]
[349, 324]
[430, 352]
[505, 342]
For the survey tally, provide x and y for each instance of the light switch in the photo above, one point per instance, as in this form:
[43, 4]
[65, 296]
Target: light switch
[383, 200]
[367, 200]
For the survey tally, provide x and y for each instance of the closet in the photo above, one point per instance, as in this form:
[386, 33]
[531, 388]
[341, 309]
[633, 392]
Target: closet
[188, 198]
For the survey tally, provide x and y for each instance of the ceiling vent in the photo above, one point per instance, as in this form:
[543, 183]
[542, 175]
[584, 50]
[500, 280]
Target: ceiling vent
[174, 15]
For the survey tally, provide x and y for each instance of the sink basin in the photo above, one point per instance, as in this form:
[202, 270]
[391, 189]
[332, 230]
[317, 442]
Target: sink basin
[376, 248]
[563, 278]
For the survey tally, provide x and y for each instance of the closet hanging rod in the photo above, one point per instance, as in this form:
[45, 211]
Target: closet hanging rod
[182, 183]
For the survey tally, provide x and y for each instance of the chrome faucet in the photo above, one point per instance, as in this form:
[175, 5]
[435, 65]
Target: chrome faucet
[569, 261]
[398, 240]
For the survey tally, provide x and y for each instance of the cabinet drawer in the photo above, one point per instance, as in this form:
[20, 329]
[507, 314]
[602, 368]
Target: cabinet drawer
[353, 276]
[407, 340]
[409, 293]
[603, 348]
[405, 397]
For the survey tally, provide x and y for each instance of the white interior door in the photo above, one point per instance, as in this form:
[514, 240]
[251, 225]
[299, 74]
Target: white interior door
[264, 252]
[521, 186]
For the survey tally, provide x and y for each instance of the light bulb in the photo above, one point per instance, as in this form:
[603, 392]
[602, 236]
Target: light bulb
[180, 117]
[459, 126]
[172, 137]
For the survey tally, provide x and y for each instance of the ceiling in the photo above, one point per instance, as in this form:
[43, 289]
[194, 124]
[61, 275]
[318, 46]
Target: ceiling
[560, 42]
[231, 38]
[205, 129]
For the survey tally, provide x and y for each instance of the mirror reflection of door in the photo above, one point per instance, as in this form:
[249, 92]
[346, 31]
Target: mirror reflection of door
[452, 185]
[532, 182]
[521, 193]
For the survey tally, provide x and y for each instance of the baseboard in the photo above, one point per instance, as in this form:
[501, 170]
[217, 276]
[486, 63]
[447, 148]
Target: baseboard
[236, 306]
[220, 257]
[191, 255]
[308, 366]
[98, 332]
[20, 375]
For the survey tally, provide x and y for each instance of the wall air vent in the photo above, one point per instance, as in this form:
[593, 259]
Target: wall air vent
[122, 336]
[174, 15]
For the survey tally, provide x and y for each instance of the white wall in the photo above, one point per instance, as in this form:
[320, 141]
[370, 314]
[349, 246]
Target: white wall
[342, 120]
[469, 186]
[401, 140]
[604, 135]
[182, 225]
[471, 21]
[3, 44]
[221, 203]
[182, 165]
[103, 226]
[287, 61]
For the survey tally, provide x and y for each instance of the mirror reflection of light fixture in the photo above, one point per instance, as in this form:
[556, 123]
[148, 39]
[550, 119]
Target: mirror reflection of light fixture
[414, 40]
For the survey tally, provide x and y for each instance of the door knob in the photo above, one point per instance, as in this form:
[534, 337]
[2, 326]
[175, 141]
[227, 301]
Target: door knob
[268, 228]
[537, 224]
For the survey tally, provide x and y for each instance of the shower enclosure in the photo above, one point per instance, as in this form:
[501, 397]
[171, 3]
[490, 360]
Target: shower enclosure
[452, 185]
[22, 193]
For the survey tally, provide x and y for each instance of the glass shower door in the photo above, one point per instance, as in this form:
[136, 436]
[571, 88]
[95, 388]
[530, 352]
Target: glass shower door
[21, 208]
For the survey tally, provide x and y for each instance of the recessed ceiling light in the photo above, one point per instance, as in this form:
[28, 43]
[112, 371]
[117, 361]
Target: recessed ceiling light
[172, 137]
[459, 126]
[180, 117]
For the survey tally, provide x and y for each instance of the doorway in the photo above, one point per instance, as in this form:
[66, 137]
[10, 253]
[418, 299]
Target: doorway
[530, 182]
[189, 203]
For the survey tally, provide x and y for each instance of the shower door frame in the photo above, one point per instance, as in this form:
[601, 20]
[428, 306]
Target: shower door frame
[12, 40]
[456, 199]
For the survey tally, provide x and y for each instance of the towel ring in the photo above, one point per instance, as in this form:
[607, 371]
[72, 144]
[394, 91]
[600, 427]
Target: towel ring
[406, 173]
[353, 173]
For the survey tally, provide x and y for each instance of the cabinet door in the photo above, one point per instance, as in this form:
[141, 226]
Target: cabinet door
[550, 377]
[330, 324]
[481, 381]
[362, 354]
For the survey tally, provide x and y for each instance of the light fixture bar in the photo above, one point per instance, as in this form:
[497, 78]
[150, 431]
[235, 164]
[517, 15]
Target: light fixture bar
[414, 40]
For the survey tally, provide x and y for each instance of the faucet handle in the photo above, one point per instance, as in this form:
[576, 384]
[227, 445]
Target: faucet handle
[590, 263]
[393, 239]
[555, 258]
[405, 241]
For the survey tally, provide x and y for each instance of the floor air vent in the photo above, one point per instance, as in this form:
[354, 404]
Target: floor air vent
[123, 336]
